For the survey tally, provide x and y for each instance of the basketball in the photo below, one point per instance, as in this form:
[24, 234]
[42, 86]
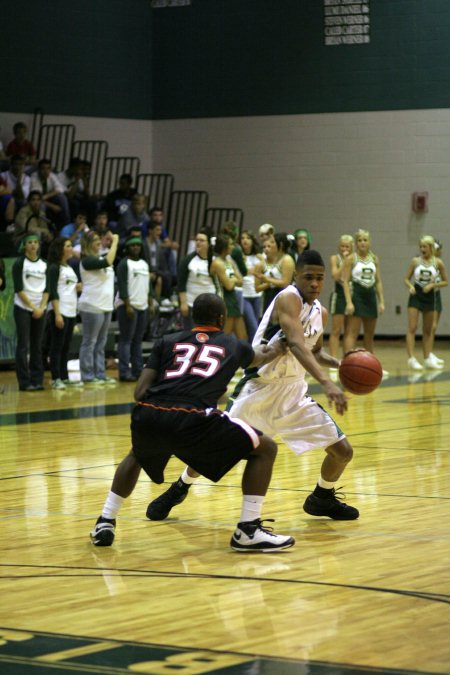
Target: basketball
[360, 372]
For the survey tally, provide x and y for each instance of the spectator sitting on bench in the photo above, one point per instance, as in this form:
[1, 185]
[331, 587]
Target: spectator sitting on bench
[7, 205]
[74, 231]
[136, 214]
[154, 255]
[118, 201]
[20, 145]
[76, 189]
[53, 197]
[169, 246]
[17, 181]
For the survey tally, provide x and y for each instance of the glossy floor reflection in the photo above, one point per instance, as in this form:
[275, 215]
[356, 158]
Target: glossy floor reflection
[371, 595]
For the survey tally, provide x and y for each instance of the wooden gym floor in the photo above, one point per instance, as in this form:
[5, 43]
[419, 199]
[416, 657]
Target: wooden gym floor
[367, 596]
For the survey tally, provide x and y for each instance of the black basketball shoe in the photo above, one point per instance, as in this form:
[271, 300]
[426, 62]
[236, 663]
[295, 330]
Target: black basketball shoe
[330, 505]
[160, 507]
[104, 532]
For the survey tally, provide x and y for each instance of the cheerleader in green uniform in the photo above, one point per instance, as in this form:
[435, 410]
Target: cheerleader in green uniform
[337, 300]
[363, 291]
[426, 274]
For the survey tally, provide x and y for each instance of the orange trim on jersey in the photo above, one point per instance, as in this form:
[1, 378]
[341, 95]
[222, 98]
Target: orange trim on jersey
[174, 408]
[205, 329]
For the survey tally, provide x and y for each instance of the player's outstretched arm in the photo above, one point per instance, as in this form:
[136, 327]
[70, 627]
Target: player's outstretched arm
[266, 353]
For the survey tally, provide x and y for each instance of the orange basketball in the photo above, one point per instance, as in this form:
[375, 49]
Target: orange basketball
[360, 372]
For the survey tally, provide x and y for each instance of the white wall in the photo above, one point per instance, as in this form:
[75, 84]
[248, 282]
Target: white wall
[332, 173]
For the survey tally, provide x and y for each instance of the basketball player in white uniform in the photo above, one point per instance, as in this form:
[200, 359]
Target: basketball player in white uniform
[274, 398]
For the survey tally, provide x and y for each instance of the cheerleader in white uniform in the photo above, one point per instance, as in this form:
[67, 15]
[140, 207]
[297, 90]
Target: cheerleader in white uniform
[426, 274]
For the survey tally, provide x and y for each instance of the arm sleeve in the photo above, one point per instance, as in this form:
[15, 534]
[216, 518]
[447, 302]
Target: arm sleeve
[52, 281]
[245, 354]
[91, 262]
[122, 279]
[17, 274]
[183, 272]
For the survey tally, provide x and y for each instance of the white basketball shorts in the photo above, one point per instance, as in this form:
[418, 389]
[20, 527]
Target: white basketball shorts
[281, 409]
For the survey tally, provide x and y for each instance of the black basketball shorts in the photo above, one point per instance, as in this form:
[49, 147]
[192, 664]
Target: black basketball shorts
[208, 440]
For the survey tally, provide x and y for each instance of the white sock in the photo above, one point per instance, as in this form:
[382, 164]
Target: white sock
[251, 508]
[325, 483]
[186, 478]
[112, 505]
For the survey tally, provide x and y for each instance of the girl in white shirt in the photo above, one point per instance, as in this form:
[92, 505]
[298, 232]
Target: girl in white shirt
[63, 287]
[30, 301]
[252, 298]
[95, 306]
[132, 303]
[195, 277]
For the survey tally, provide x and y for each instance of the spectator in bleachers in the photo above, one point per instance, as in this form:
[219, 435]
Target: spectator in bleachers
[17, 181]
[118, 201]
[74, 231]
[20, 145]
[95, 305]
[169, 246]
[73, 181]
[132, 303]
[7, 205]
[154, 255]
[32, 218]
[53, 197]
[101, 222]
[136, 214]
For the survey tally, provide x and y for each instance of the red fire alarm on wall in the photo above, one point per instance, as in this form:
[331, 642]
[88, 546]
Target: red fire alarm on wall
[420, 202]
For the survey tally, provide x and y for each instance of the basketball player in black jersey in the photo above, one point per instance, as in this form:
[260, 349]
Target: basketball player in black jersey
[176, 414]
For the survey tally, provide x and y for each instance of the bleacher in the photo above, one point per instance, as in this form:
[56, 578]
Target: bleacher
[186, 210]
